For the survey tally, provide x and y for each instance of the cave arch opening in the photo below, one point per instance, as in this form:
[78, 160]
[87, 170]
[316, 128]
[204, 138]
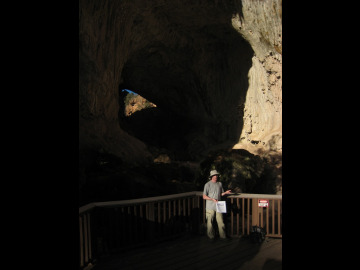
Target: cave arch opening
[199, 91]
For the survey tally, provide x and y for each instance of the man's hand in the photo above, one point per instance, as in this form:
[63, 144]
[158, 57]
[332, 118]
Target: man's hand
[227, 192]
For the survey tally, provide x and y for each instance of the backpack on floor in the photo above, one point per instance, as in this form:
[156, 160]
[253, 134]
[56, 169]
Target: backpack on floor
[257, 234]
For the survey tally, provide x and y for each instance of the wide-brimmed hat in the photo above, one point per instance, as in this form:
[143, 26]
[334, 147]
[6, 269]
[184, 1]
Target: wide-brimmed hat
[213, 172]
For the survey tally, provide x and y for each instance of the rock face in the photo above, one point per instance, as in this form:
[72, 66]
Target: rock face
[213, 69]
[259, 22]
[136, 103]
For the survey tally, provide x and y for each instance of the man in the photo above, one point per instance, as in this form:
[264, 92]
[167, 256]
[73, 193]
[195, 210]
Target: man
[213, 190]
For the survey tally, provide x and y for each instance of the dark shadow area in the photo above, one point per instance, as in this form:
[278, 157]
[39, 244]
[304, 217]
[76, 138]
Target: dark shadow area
[199, 86]
[241, 171]
[162, 130]
[272, 264]
[194, 252]
[119, 229]
[105, 177]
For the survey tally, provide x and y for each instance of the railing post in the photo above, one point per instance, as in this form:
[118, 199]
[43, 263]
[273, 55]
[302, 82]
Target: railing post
[231, 218]
[243, 216]
[255, 212]
[89, 237]
[81, 243]
[237, 217]
[248, 216]
[279, 215]
[86, 239]
[267, 218]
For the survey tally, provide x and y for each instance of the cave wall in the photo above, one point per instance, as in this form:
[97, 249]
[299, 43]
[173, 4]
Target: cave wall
[217, 64]
[103, 49]
[259, 22]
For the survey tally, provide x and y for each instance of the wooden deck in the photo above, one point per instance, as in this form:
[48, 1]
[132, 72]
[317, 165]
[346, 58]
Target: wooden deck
[198, 252]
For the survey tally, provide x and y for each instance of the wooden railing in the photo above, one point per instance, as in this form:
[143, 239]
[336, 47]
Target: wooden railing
[108, 227]
[246, 212]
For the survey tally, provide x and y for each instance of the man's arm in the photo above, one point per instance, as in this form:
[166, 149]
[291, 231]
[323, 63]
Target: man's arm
[205, 197]
[226, 192]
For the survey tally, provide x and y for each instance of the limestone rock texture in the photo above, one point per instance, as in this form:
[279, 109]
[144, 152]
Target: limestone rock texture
[259, 22]
[212, 67]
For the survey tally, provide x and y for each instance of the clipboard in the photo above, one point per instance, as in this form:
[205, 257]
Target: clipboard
[221, 206]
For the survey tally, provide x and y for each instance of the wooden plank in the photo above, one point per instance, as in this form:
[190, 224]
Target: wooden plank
[144, 200]
[130, 225]
[257, 196]
[243, 215]
[164, 212]
[232, 218]
[237, 217]
[189, 201]
[89, 236]
[117, 221]
[279, 232]
[248, 213]
[179, 207]
[174, 202]
[184, 207]
[86, 240]
[81, 242]
[169, 209]
[267, 218]
[152, 211]
[275, 235]
[136, 224]
[255, 212]
[142, 225]
[273, 217]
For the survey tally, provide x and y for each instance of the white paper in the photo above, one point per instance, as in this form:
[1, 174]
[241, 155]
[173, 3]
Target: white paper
[221, 207]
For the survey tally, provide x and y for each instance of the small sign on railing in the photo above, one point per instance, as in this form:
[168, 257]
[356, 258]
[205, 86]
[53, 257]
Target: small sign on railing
[263, 203]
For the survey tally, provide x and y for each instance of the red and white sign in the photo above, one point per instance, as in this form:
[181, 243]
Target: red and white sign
[263, 203]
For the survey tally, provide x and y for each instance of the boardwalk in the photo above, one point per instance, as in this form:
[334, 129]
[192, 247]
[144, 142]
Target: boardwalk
[197, 252]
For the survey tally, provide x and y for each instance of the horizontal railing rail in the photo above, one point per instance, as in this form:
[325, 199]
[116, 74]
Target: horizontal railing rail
[107, 227]
[89, 206]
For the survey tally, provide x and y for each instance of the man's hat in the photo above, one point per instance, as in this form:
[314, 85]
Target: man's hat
[213, 172]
